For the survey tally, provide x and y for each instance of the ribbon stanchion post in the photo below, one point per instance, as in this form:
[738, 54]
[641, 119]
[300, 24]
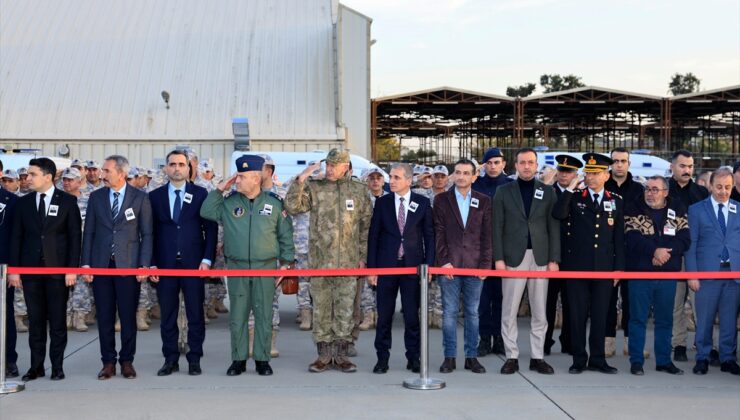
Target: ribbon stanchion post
[5, 387]
[424, 382]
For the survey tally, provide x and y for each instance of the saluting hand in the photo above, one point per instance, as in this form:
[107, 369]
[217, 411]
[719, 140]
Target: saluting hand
[226, 184]
[308, 171]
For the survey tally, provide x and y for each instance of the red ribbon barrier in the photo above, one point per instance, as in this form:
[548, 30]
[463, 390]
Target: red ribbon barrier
[344, 272]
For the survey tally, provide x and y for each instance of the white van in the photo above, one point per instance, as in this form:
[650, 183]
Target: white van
[16, 161]
[641, 164]
[290, 164]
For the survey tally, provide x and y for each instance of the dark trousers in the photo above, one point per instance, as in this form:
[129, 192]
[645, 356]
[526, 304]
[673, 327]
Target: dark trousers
[46, 300]
[11, 336]
[168, 292]
[588, 297]
[489, 310]
[387, 292]
[121, 292]
[658, 294]
[622, 289]
[555, 287]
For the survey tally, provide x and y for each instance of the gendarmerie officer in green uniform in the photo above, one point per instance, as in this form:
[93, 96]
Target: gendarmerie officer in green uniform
[258, 234]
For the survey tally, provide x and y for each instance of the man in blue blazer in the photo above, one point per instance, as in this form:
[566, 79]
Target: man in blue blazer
[401, 235]
[714, 224]
[117, 234]
[182, 240]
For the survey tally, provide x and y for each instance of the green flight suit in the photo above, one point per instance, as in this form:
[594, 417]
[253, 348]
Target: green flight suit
[258, 234]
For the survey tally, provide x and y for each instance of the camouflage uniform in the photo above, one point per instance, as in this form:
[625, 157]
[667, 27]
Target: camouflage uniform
[215, 288]
[81, 298]
[19, 301]
[300, 239]
[367, 298]
[434, 295]
[339, 222]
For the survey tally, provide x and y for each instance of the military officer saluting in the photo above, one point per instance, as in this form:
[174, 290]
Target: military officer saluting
[596, 220]
[258, 234]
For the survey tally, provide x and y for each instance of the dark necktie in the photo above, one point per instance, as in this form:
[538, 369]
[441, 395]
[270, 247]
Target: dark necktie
[401, 224]
[177, 207]
[725, 256]
[114, 208]
[42, 207]
[596, 202]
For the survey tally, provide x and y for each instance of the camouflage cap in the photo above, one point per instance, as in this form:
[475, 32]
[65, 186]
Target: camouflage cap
[77, 163]
[72, 173]
[337, 156]
[22, 171]
[10, 173]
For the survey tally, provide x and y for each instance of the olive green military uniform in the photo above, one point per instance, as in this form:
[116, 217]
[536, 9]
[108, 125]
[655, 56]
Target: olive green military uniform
[258, 234]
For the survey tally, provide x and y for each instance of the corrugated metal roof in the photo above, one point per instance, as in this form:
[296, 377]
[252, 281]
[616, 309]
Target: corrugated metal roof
[89, 69]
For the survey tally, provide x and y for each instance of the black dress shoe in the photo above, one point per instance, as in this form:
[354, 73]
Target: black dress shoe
[669, 368]
[413, 365]
[541, 366]
[636, 369]
[472, 364]
[701, 367]
[168, 368]
[381, 367]
[11, 370]
[714, 358]
[679, 354]
[731, 367]
[510, 366]
[575, 369]
[263, 368]
[484, 345]
[33, 374]
[237, 368]
[603, 368]
[57, 374]
[448, 365]
[194, 369]
[498, 345]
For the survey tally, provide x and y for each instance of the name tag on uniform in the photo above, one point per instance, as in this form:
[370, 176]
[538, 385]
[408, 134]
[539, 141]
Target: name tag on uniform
[539, 194]
[266, 211]
[474, 203]
[53, 210]
[608, 206]
[188, 198]
[732, 208]
[413, 206]
[2, 207]
[669, 231]
[350, 205]
[671, 214]
[129, 213]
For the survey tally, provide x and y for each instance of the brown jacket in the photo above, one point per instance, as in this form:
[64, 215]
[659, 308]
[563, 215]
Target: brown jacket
[468, 247]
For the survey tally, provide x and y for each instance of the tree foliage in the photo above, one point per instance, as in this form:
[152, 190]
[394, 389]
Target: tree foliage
[556, 82]
[683, 83]
[387, 149]
[521, 91]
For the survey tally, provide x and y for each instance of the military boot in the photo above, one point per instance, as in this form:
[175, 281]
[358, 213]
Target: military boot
[90, 316]
[156, 312]
[78, 322]
[273, 347]
[368, 321]
[211, 312]
[141, 324]
[610, 347]
[306, 320]
[70, 321]
[323, 362]
[220, 307]
[342, 360]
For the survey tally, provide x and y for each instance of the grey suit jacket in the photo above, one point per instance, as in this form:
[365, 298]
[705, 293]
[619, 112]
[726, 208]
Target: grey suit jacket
[132, 236]
[511, 225]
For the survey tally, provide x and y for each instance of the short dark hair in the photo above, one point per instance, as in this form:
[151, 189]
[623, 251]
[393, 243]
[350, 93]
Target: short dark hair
[682, 152]
[464, 161]
[524, 150]
[619, 150]
[177, 152]
[658, 178]
[47, 166]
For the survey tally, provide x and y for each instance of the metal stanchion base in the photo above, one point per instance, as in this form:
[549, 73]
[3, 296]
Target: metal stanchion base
[419, 383]
[11, 387]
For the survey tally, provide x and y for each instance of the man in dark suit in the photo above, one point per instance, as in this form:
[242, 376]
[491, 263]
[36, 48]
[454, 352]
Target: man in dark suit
[47, 233]
[567, 167]
[182, 240]
[401, 235]
[118, 234]
[597, 244]
[462, 226]
[715, 246]
[525, 238]
[7, 207]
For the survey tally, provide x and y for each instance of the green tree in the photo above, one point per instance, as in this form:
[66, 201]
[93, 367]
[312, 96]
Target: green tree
[387, 149]
[683, 83]
[556, 82]
[521, 91]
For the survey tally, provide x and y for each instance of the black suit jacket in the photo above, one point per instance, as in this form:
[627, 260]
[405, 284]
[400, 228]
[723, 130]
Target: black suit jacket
[7, 207]
[55, 238]
[193, 237]
[384, 239]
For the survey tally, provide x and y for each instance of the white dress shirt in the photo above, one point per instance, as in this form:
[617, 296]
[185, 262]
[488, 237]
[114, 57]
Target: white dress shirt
[406, 200]
[47, 199]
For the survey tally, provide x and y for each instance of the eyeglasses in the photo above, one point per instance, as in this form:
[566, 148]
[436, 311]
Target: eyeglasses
[654, 190]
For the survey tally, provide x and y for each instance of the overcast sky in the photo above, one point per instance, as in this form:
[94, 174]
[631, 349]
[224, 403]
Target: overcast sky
[487, 45]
